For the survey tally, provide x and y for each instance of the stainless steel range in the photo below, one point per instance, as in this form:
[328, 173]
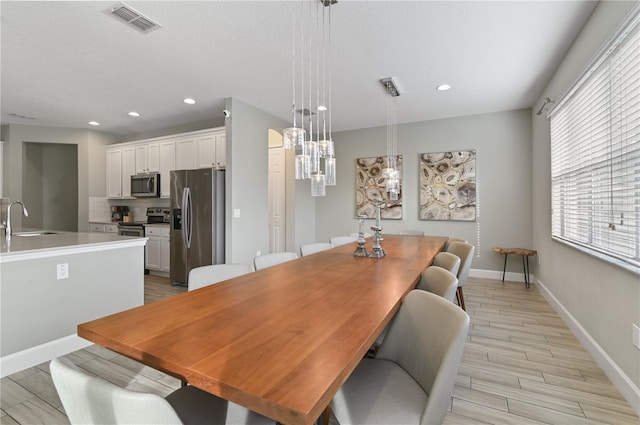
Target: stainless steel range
[136, 228]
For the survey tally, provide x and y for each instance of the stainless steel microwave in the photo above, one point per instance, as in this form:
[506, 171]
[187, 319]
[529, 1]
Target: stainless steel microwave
[145, 185]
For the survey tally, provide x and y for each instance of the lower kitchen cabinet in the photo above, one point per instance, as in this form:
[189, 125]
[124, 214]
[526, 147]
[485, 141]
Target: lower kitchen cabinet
[157, 252]
[103, 228]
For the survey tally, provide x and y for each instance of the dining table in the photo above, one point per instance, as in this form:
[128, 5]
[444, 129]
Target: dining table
[280, 341]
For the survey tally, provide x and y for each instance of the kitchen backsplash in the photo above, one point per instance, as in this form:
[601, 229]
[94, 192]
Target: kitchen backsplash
[100, 208]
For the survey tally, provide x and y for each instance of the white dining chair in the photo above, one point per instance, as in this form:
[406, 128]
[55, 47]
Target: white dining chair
[342, 240]
[412, 377]
[312, 248]
[411, 232]
[89, 399]
[267, 260]
[464, 251]
[452, 240]
[208, 275]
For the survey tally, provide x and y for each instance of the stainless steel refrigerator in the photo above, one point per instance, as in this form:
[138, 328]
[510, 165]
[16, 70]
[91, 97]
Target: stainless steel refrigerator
[197, 220]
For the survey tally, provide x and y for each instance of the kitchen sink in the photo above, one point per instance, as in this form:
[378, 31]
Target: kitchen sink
[37, 233]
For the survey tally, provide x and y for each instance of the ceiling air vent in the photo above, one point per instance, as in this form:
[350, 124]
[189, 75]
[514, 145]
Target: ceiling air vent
[133, 18]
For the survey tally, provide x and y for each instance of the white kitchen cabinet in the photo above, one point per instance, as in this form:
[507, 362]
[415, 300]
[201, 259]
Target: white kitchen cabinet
[153, 156]
[221, 149]
[128, 169]
[103, 228]
[186, 153]
[97, 227]
[147, 158]
[166, 164]
[142, 153]
[212, 150]
[114, 173]
[157, 252]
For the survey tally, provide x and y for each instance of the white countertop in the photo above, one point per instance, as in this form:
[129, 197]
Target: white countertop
[20, 248]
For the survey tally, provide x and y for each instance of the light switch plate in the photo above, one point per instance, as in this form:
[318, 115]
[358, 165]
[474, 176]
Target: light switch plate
[236, 213]
[62, 271]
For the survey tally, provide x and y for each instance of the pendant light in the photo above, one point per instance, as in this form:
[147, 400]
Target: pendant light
[391, 172]
[314, 152]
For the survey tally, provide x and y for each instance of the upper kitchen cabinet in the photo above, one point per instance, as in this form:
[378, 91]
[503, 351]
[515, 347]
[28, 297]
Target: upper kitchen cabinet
[186, 151]
[114, 173]
[212, 149]
[121, 165]
[167, 163]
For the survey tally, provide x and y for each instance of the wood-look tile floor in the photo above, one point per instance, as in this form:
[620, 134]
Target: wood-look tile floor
[521, 365]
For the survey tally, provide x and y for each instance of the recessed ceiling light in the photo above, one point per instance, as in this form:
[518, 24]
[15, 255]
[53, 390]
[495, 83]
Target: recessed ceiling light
[134, 114]
[322, 108]
[443, 87]
[189, 101]
[94, 123]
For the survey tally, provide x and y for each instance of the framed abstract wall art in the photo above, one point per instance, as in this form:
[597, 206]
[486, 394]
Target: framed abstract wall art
[371, 185]
[448, 186]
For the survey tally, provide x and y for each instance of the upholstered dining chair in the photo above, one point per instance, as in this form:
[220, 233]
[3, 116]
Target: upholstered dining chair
[267, 260]
[342, 240]
[207, 275]
[440, 282]
[312, 248]
[92, 400]
[411, 232]
[464, 251]
[412, 377]
[448, 261]
[435, 280]
[451, 240]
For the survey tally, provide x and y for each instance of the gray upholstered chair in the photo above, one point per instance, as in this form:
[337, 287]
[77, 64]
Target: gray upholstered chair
[448, 261]
[355, 235]
[411, 232]
[440, 282]
[450, 241]
[91, 400]
[342, 240]
[267, 260]
[312, 248]
[411, 379]
[464, 251]
[207, 275]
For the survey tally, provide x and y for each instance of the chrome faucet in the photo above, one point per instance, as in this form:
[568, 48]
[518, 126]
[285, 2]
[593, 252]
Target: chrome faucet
[24, 211]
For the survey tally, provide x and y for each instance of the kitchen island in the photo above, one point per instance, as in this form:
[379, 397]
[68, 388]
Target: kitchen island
[50, 283]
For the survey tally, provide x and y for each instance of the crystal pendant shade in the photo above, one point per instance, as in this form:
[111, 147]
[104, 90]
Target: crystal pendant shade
[292, 136]
[318, 185]
[330, 171]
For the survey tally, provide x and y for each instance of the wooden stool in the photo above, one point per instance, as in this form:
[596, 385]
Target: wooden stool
[526, 253]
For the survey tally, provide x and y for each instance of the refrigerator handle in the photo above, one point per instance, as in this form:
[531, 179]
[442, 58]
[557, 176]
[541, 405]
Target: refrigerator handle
[189, 215]
[185, 217]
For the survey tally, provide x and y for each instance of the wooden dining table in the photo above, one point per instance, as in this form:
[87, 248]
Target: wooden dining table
[280, 341]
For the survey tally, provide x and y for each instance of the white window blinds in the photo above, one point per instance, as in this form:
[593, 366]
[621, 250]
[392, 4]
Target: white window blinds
[595, 155]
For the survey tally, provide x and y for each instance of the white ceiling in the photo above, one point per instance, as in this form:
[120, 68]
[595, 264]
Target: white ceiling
[67, 63]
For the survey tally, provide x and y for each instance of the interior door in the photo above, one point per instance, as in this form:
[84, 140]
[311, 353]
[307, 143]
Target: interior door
[277, 198]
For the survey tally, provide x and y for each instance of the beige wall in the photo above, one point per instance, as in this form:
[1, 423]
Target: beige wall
[601, 299]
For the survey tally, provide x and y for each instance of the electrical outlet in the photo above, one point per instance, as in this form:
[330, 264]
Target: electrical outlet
[63, 271]
[635, 336]
[258, 253]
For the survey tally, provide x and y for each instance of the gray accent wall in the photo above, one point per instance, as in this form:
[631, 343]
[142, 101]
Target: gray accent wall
[502, 141]
[602, 299]
[91, 161]
[246, 182]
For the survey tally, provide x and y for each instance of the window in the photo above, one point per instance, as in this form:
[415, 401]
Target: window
[595, 156]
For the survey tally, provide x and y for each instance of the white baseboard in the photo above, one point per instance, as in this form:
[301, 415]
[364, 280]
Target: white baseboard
[496, 274]
[620, 380]
[33, 356]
